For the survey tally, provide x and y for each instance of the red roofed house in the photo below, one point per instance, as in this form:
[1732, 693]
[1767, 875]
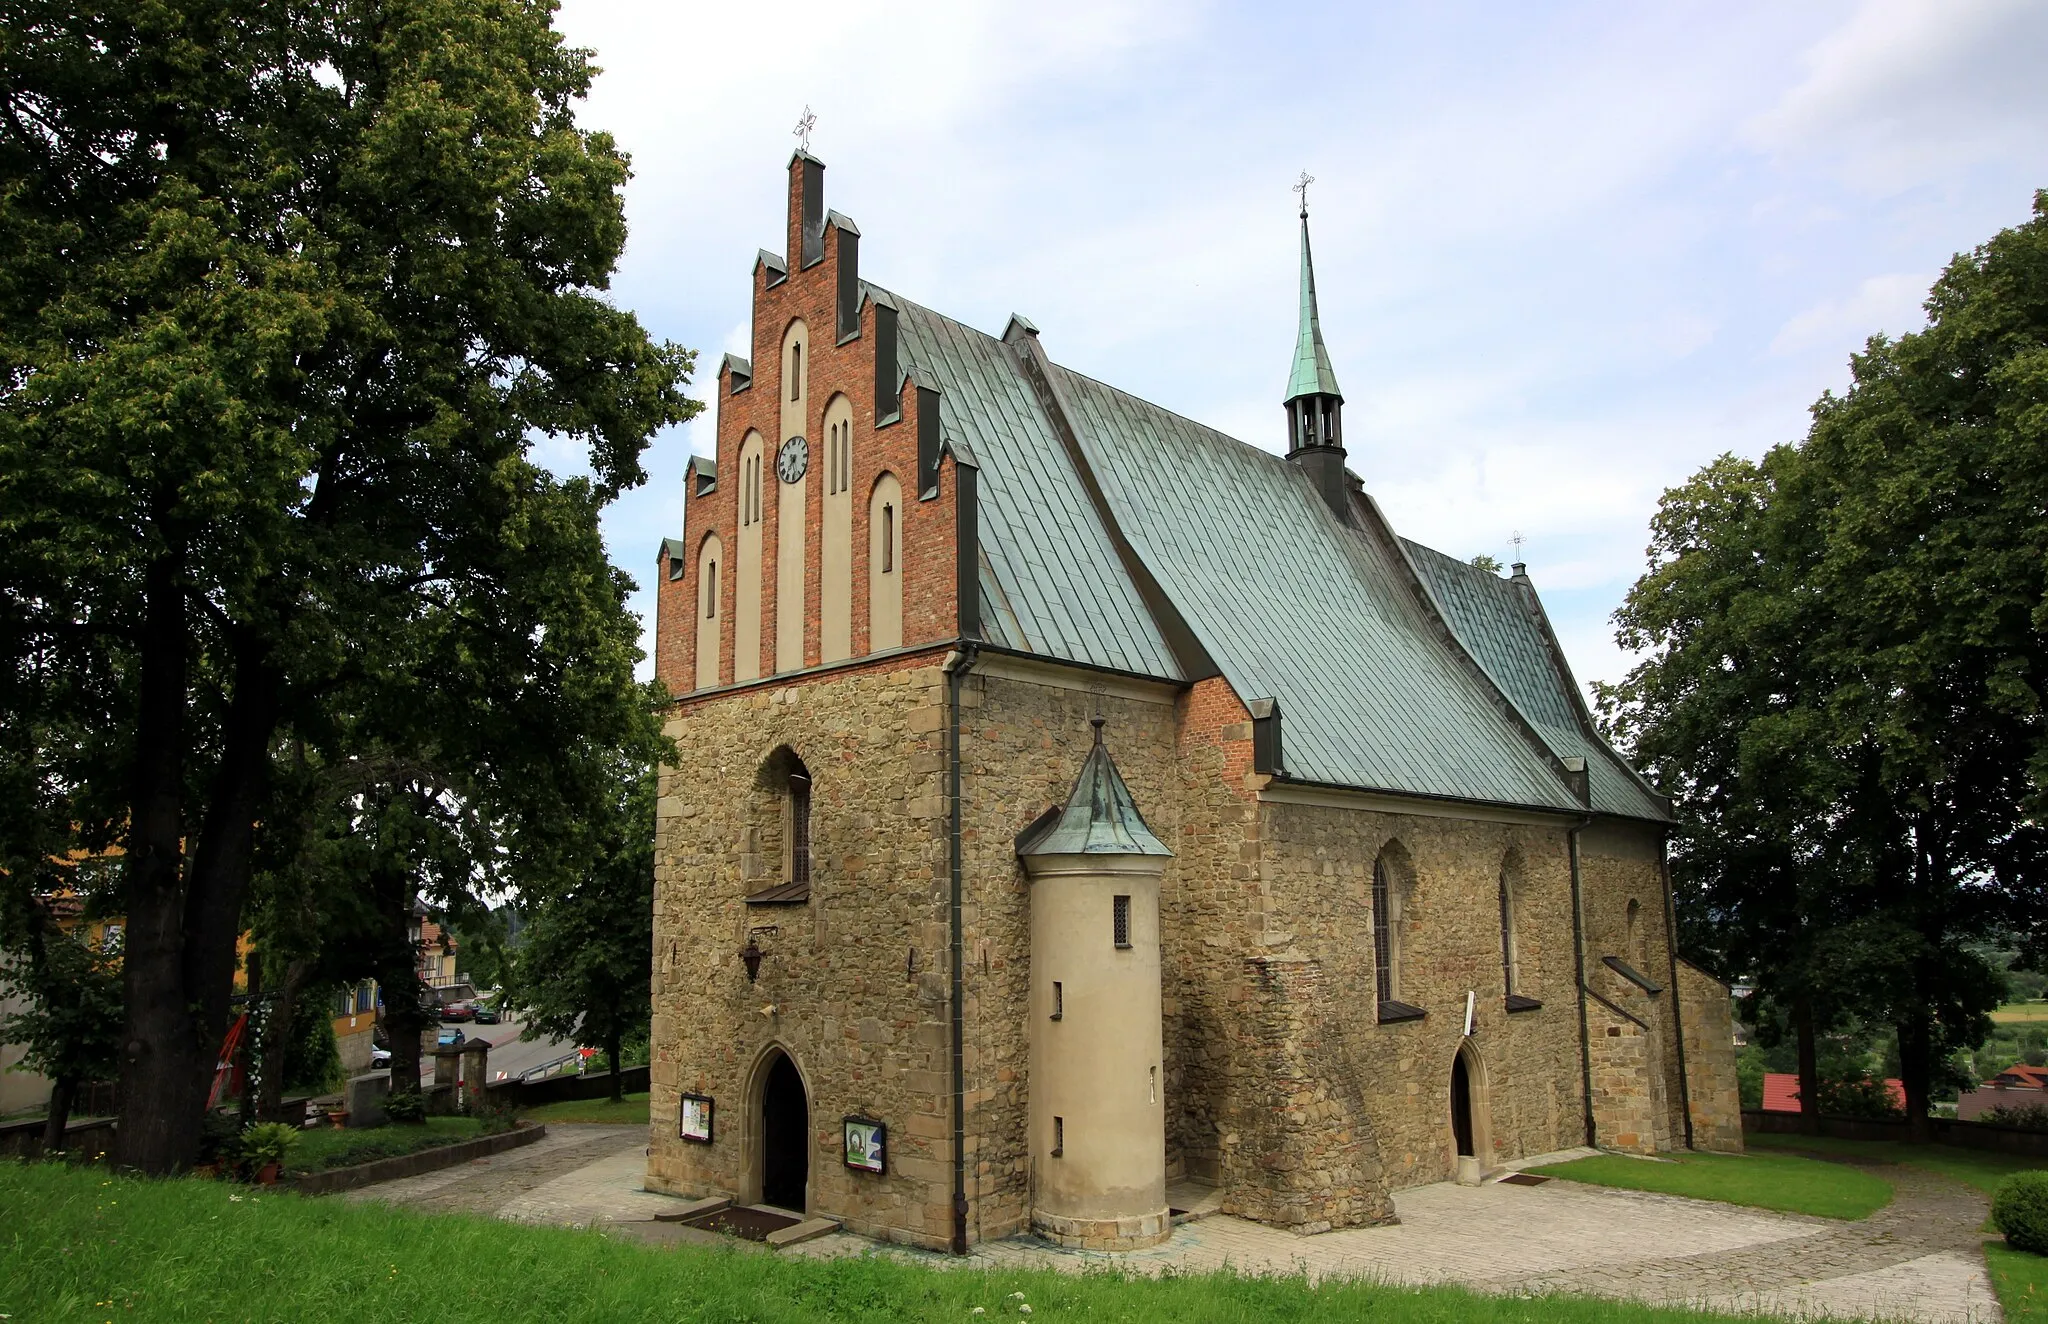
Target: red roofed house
[1781, 1092]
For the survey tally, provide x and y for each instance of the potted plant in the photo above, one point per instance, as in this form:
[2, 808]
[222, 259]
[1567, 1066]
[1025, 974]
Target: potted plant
[264, 1149]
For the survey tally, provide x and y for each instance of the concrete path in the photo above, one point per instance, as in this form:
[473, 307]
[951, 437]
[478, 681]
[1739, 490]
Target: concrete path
[1917, 1259]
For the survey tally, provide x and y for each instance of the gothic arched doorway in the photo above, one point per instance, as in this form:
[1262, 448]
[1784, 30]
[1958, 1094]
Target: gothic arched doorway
[1461, 1107]
[785, 1137]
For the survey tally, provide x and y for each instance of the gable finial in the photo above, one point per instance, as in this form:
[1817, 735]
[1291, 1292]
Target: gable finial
[1301, 191]
[1098, 722]
[803, 129]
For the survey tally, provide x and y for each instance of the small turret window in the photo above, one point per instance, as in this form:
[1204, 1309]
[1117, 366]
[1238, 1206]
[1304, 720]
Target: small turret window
[1059, 1000]
[796, 371]
[1120, 920]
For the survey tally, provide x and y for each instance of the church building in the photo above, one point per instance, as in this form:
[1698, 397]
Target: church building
[1074, 802]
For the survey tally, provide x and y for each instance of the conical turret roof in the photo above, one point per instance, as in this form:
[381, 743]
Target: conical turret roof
[1100, 818]
[1312, 373]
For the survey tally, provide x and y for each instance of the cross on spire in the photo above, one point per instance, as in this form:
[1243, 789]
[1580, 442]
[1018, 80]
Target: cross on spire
[1301, 191]
[803, 130]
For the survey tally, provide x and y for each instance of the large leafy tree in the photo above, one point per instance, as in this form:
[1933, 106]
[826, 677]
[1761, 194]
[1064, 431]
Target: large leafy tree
[286, 289]
[586, 958]
[1847, 649]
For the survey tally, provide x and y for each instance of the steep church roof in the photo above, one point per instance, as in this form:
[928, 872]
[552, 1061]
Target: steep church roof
[1118, 534]
[1501, 623]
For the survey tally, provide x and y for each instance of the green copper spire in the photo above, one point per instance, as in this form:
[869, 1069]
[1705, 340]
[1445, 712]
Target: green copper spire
[1312, 373]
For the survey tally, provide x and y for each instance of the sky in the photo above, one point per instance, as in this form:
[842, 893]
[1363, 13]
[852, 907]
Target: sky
[1566, 254]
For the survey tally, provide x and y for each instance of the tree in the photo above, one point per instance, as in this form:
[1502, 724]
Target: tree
[1843, 692]
[584, 968]
[72, 1020]
[285, 292]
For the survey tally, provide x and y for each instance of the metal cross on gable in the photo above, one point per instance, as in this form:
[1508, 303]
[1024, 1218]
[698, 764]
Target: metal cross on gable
[1301, 190]
[803, 129]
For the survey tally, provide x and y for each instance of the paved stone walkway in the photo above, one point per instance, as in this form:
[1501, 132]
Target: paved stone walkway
[1917, 1259]
[549, 1181]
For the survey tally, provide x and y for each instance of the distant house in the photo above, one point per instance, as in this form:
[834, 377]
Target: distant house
[2018, 1086]
[1781, 1092]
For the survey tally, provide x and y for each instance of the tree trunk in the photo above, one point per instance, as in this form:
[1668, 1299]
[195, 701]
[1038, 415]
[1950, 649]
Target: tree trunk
[1809, 1065]
[1916, 1070]
[611, 1053]
[277, 1039]
[222, 861]
[164, 1063]
[62, 1091]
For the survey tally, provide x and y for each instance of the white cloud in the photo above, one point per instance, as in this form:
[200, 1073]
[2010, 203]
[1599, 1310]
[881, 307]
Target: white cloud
[1911, 88]
[1891, 304]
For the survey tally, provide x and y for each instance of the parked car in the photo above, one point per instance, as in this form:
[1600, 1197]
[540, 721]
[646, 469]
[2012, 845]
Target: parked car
[380, 1057]
[450, 1038]
[458, 1011]
[486, 1014]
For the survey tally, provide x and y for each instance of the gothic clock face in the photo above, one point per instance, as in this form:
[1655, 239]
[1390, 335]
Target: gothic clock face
[792, 459]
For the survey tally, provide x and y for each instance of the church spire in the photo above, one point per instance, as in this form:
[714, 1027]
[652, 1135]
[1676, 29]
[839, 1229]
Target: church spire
[1312, 374]
[1315, 403]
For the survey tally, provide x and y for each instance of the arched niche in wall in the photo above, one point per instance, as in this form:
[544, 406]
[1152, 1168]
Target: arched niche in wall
[835, 553]
[885, 564]
[710, 609]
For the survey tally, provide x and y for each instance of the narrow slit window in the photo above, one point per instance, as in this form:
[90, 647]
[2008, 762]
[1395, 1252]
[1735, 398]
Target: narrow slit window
[1059, 1000]
[888, 539]
[1120, 920]
[799, 829]
[711, 590]
[796, 371]
[1507, 938]
[1382, 934]
[1059, 1136]
[1152, 1084]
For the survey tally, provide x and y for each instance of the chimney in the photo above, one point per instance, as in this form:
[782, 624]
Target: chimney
[806, 209]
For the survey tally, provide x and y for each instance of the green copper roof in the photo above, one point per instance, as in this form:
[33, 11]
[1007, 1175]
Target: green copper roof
[1100, 817]
[1502, 625]
[1312, 374]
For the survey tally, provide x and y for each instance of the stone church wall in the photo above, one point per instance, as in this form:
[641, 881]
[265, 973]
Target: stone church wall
[852, 985]
[1317, 864]
[1715, 1096]
[1621, 863]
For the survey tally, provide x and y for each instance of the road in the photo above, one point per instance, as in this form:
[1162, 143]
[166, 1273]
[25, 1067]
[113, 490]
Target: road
[510, 1054]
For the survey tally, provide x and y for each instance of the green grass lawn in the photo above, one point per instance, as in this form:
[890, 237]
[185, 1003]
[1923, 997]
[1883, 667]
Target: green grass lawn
[632, 1111]
[1765, 1181]
[2021, 1278]
[1979, 1168]
[2021, 1013]
[79, 1244]
[318, 1151]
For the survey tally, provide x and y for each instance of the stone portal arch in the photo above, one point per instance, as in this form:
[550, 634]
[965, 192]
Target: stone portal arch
[776, 1167]
[1470, 1114]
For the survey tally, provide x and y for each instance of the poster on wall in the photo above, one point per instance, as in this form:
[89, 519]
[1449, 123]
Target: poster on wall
[696, 1123]
[865, 1141]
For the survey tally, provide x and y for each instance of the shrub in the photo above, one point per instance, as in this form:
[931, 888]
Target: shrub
[2026, 1116]
[495, 1109]
[266, 1143]
[1858, 1098]
[2020, 1209]
[405, 1106]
